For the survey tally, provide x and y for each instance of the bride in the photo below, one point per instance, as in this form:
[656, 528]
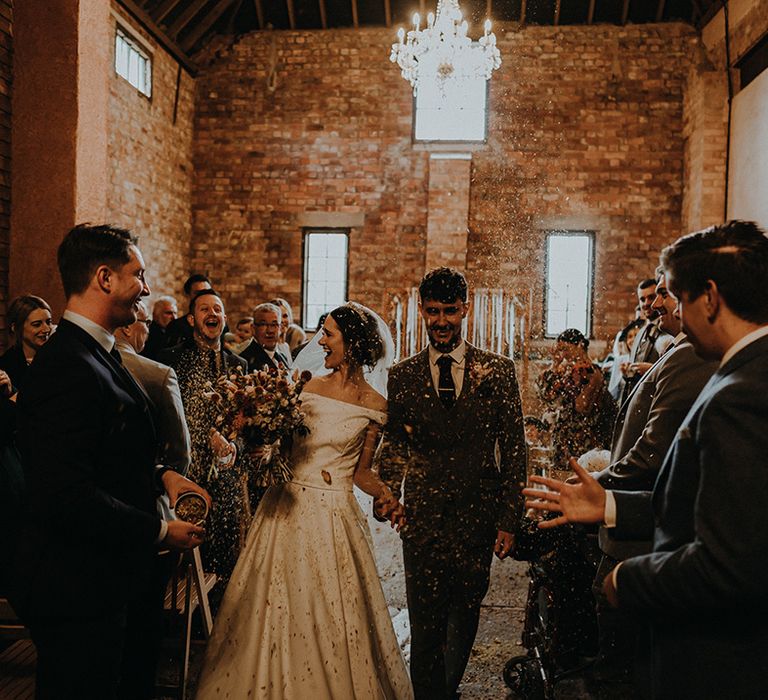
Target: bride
[304, 615]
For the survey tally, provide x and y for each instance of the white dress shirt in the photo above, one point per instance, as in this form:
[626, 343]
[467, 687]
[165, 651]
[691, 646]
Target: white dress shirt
[458, 355]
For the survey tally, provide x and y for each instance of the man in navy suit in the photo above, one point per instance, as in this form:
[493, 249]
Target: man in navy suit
[88, 444]
[262, 352]
[703, 586]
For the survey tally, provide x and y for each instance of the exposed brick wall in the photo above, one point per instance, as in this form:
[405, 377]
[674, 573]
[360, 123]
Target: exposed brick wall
[6, 56]
[151, 167]
[586, 131]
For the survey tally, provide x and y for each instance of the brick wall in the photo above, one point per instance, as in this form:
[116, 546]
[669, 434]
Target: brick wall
[6, 54]
[586, 131]
[150, 166]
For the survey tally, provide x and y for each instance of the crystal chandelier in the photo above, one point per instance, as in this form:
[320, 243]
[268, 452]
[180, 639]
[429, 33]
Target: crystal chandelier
[442, 51]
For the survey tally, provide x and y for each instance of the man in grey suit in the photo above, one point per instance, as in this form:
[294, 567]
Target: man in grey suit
[455, 435]
[161, 385]
[703, 586]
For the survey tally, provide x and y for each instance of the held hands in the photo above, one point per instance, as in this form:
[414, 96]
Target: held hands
[581, 502]
[387, 507]
[183, 535]
[505, 541]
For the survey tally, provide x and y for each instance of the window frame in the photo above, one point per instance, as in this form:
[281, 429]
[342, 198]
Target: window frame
[139, 48]
[306, 232]
[561, 233]
[454, 142]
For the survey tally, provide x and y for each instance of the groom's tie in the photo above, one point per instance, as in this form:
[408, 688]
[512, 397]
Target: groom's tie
[446, 389]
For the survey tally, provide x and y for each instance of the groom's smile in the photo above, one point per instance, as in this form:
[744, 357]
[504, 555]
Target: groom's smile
[443, 321]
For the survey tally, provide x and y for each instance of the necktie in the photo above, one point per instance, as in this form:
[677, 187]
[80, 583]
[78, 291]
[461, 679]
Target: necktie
[446, 389]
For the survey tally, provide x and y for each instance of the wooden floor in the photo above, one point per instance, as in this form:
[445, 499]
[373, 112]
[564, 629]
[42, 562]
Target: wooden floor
[17, 671]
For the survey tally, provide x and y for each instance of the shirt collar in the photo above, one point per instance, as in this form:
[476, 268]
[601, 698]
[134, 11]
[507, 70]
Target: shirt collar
[740, 344]
[101, 335]
[458, 353]
[679, 338]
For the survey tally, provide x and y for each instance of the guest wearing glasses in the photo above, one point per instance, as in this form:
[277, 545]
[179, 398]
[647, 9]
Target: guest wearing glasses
[263, 353]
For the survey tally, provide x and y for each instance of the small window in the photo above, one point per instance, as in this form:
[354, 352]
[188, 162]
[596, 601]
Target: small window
[568, 293]
[453, 112]
[325, 273]
[133, 63]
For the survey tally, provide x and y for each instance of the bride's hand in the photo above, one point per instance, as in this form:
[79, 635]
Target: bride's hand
[223, 450]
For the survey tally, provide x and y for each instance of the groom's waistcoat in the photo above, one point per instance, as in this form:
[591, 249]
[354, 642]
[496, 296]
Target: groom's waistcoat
[470, 457]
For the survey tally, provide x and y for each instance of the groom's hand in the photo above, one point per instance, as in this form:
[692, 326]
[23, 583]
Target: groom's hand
[175, 484]
[504, 543]
[183, 535]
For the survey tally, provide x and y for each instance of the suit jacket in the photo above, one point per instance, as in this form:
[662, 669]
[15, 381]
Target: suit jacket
[448, 457]
[162, 387]
[256, 357]
[15, 364]
[651, 343]
[88, 447]
[704, 585]
[157, 341]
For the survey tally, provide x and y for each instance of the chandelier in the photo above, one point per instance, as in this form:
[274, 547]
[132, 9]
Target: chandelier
[442, 51]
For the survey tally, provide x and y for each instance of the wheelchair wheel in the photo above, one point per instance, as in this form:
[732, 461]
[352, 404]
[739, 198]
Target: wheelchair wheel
[522, 674]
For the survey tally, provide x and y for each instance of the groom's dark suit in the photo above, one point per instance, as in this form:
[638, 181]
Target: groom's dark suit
[85, 554]
[703, 587]
[457, 495]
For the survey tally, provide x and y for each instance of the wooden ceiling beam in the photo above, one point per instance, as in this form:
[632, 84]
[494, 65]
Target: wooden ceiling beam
[186, 17]
[557, 12]
[323, 15]
[259, 13]
[206, 23]
[162, 38]
[625, 13]
[660, 11]
[355, 19]
[388, 12]
[591, 12]
[163, 10]
[291, 14]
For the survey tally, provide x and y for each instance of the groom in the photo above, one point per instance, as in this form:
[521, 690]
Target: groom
[455, 435]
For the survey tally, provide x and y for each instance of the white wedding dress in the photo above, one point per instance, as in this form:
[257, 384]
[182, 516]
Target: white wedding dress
[304, 615]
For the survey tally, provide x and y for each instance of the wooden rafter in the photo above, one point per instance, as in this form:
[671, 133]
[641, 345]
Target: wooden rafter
[259, 13]
[291, 14]
[162, 38]
[185, 17]
[163, 10]
[557, 12]
[660, 11]
[625, 12]
[355, 19]
[206, 23]
[591, 12]
[323, 15]
[388, 12]
[523, 4]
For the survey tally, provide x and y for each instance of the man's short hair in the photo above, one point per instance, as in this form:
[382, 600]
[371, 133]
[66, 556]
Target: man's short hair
[644, 284]
[165, 299]
[734, 256]
[245, 319]
[269, 308]
[443, 284]
[87, 247]
[196, 277]
[203, 293]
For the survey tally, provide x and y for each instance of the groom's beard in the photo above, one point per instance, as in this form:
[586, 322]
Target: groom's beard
[445, 344]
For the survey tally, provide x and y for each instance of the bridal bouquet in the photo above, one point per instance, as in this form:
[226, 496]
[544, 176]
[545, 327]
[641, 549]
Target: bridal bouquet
[258, 411]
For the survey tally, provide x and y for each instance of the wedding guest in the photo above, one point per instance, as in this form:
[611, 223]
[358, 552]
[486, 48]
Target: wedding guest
[179, 329]
[454, 435]
[11, 478]
[29, 319]
[702, 589]
[294, 337]
[198, 361]
[88, 446]
[622, 347]
[286, 319]
[164, 311]
[574, 387]
[263, 351]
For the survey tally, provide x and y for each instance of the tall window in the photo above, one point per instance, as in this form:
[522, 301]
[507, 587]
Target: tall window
[457, 113]
[325, 272]
[569, 282]
[133, 63]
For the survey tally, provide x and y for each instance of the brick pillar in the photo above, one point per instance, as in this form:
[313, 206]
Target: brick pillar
[448, 215]
[59, 134]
